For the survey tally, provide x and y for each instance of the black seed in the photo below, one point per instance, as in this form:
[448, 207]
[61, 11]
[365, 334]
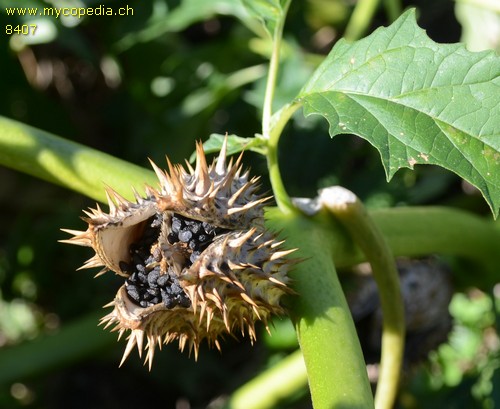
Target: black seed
[163, 280]
[153, 278]
[133, 293]
[194, 256]
[195, 227]
[157, 220]
[175, 288]
[144, 304]
[176, 224]
[142, 278]
[185, 235]
[185, 302]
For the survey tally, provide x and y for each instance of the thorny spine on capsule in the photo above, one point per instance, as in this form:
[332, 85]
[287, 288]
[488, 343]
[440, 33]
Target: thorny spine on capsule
[197, 260]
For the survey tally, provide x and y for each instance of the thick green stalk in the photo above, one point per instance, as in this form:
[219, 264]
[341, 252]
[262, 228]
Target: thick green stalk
[347, 208]
[66, 163]
[270, 387]
[327, 336]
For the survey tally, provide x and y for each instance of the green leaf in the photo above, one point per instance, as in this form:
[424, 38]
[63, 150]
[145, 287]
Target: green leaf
[268, 12]
[235, 144]
[416, 101]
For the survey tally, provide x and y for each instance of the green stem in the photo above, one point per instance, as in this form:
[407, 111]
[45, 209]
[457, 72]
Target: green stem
[279, 121]
[365, 233]
[270, 132]
[360, 19]
[393, 9]
[66, 163]
[273, 73]
[327, 336]
[270, 387]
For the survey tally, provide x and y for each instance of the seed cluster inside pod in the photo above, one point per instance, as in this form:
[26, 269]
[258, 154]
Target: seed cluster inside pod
[150, 279]
[195, 255]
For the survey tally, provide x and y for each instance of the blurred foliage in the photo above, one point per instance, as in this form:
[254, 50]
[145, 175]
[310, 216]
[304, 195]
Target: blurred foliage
[149, 85]
[464, 372]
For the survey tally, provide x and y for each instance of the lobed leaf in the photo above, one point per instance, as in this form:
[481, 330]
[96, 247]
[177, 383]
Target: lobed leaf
[416, 101]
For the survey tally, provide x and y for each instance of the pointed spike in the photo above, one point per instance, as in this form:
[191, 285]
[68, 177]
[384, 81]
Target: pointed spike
[201, 171]
[238, 242]
[171, 169]
[109, 304]
[277, 244]
[256, 312]
[162, 177]
[151, 352]
[195, 345]
[100, 273]
[182, 342]
[189, 167]
[136, 194]
[203, 307]
[247, 298]
[75, 233]
[251, 332]
[119, 199]
[191, 292]
[276, 281]
[282, 253]
[111, 204]
[237, 164]
[78, 241]
[120, 334]
[90, 214]
[210, 316]
[94, 261]
[139, 340]
[247, 206]
[237, 194]
[220, 168]
[225, 318]
[128, 349]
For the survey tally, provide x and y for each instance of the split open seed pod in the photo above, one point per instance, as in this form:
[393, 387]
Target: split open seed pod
[196, 258]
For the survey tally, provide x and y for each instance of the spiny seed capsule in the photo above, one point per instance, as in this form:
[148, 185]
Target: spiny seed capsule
[197, 260]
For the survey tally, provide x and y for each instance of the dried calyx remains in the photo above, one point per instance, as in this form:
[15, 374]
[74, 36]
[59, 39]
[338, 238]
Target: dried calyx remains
[197, 260]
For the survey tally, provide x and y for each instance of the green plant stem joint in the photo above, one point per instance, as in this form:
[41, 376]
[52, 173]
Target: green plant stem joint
[348, 209]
